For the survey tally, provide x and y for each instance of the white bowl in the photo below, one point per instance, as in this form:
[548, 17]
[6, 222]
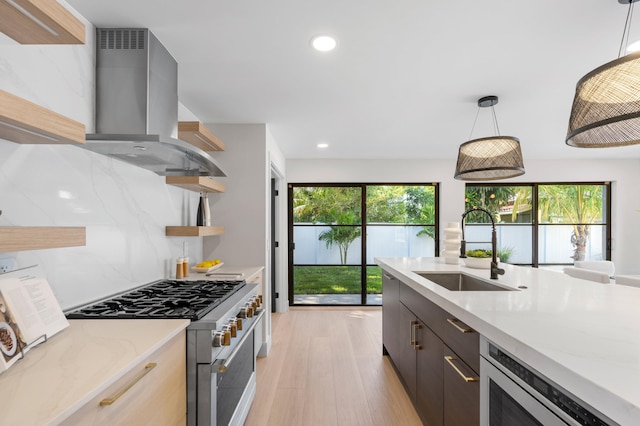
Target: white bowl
[478, 262]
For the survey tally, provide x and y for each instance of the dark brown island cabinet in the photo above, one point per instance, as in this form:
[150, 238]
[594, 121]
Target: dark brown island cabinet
[436, 356]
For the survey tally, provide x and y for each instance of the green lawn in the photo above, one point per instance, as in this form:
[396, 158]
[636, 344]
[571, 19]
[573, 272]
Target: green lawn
[335, 280]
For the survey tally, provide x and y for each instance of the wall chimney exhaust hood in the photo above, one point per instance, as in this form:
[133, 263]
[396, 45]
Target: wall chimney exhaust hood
[137, 106]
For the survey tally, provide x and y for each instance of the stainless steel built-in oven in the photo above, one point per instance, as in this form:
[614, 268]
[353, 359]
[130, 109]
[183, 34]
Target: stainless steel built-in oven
[512, 393]
[227, 384]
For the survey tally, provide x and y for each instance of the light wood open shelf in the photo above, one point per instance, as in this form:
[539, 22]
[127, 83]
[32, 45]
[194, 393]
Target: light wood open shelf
[24, 122]
[19, 238]
[194, 231]
[40, 22]
[198, 135]
[196, 183]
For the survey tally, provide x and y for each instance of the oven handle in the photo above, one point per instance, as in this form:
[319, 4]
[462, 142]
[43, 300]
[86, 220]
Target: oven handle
[221, 365]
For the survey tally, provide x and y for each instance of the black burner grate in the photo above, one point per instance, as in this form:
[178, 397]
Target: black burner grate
[162, 299]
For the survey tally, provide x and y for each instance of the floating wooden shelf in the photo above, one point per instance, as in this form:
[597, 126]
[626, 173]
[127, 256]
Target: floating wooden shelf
[194, 231]
[19, 238]
[24, 122]
[40, 22]
[196, 183]
[198, 135]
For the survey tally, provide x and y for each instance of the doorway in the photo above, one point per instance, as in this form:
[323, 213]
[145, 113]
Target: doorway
[337, 230]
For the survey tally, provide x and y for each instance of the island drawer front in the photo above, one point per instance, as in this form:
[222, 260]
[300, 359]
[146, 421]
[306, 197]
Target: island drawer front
[157, 397]
[428, 312]
[463, 340]
[461, 392]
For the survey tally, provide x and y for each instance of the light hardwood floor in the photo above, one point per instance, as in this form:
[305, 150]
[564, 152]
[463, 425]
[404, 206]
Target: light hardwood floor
[326, 367]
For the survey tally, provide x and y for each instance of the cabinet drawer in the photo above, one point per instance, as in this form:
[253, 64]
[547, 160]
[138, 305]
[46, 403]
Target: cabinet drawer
[463, 340]
[428, 312]
[147, 395]
[461, 392]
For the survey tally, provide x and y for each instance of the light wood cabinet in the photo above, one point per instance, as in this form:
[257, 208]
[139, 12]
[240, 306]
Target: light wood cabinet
[152, 392]
[40, 22]
[24, 122]
[19, 238]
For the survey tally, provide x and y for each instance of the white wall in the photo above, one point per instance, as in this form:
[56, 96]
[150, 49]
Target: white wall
[277, 163]
[241, 208]
[624, 175]
[124, 208]
[244, 209]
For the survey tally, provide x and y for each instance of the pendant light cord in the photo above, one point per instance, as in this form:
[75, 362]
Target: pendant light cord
[495, 121]
[496, 128]
[625, 33]
[474, 123]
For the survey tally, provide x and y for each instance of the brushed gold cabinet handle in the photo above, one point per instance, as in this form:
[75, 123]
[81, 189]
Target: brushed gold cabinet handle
[147, 369]
[412, 337]
[416, 326]
[454, 322]
[450, 360]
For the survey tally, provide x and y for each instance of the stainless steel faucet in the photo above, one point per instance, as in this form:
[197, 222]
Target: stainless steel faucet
[495, 271]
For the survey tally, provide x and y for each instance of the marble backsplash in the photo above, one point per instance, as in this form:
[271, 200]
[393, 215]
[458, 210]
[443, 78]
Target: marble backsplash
[124, 208]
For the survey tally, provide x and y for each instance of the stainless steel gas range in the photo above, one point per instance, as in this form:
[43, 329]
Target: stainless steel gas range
[220, 339]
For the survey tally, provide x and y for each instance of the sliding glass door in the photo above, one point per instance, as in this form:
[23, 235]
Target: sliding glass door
[336, 231]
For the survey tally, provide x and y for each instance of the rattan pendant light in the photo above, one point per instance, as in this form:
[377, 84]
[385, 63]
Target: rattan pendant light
[492, 158]
[606, 107]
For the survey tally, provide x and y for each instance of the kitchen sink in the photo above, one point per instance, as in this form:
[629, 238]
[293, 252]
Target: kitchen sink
[461, 282]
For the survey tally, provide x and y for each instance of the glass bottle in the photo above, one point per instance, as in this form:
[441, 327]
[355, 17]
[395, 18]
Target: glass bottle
[200, 218]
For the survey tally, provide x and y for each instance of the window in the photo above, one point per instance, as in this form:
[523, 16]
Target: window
[542, 224]
[337, 230]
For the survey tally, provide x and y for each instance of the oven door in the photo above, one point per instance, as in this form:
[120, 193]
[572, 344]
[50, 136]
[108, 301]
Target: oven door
[234, 382]
[226, 387]
[504, 403]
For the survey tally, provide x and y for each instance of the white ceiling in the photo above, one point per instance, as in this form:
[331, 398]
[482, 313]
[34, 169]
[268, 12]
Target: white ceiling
[404, 80]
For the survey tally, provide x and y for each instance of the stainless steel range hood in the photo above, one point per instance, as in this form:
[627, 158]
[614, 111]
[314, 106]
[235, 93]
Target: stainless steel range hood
[137, 106]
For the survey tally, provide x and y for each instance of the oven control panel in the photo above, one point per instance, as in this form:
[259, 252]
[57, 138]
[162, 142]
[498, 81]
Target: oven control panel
[552, 393]
[234, 324]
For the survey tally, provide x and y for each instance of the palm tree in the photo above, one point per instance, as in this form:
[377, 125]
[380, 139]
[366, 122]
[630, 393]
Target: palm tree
[579, 205]
[341, 234]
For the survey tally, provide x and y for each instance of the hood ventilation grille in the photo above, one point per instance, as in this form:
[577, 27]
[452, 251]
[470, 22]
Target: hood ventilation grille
[121, 39]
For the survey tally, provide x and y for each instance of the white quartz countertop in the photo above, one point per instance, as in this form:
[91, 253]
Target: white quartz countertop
[59, 376]
[228, 272]
[583, 335]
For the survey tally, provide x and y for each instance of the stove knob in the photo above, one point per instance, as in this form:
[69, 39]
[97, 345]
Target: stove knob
[233, 328]
[218, 339]
[260, 298]
[226, 332]
[250, 310]
[246, 311]
[255, 303]
[239, 323]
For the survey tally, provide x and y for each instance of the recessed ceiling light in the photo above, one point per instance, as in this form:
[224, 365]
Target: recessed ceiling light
[323, 145]
[323, 43]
